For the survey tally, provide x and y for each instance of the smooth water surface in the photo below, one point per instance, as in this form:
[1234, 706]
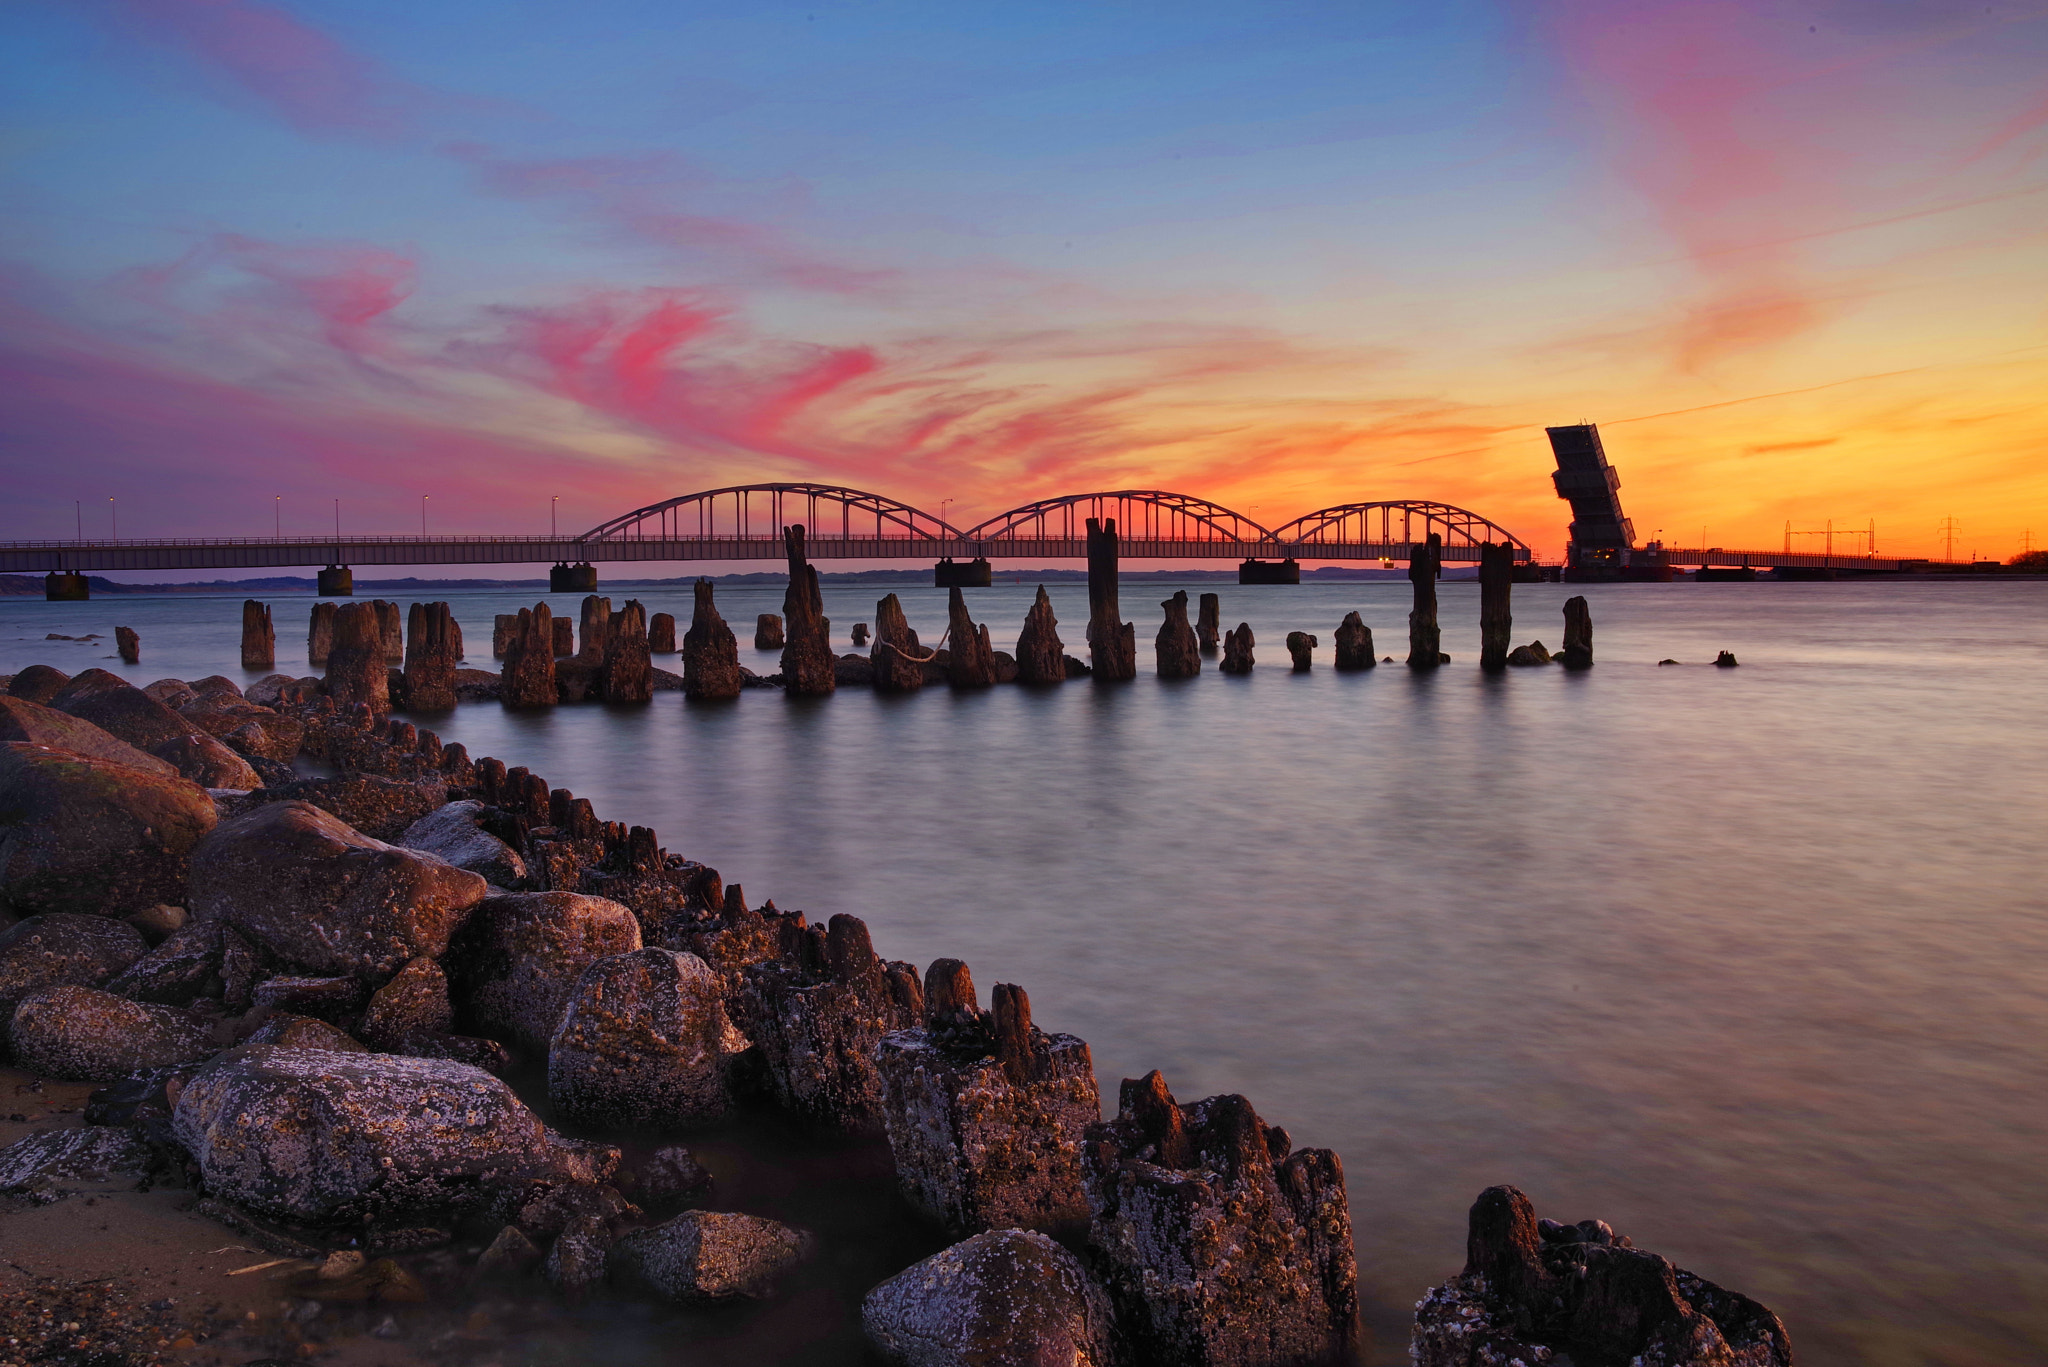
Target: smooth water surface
[1748, 962]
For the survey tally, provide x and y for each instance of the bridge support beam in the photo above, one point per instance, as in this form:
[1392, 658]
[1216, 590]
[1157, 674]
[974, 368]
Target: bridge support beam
[951, 574]
[573, 578]
[1269, 572]
[337, 581]
[62, 587]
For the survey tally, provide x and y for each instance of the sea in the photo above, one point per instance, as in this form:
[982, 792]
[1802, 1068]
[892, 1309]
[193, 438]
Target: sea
[1751, 962]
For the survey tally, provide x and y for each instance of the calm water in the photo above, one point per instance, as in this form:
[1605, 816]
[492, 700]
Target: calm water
[1749, 963]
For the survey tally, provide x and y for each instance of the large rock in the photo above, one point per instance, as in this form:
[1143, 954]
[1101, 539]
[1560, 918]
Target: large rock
[1533, 653]
[897, 657]
[1218, 1244]
[1041, 658]
[1354, 643]
[84, 1033]
[1178, 652]
[986, 1113]
[973, 660]
[120, 709]
[705, 1255]
[27, 721]
[412, 1006]
[63, 950]
[92, 836]
[453, 834]
[323, 896]
[329, 1136]
[208, 763]
[37, 684]
[192, 962]
[1005, 1298]
[88, 1153]
[711, 654]
[1541, 1292]
[381, 808]
[644, 1042]
[514, 966]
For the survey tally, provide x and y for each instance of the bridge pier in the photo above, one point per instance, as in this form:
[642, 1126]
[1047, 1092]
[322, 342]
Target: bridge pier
[1269, 572]
[62, 587]
[950, 574]
[581, 578]
[337, 581]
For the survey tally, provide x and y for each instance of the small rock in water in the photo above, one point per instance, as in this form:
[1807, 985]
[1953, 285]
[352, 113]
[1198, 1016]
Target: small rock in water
[1726, 660]
[511, 1255]
[1667, 662]
[341, 1263]
[1006, 1298]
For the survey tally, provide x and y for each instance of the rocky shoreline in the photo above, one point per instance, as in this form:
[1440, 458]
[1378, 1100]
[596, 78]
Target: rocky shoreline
[430, 1033]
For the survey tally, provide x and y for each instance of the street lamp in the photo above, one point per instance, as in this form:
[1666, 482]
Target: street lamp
[277, 521]
[114, 517]
[552, 501]
[423, 515]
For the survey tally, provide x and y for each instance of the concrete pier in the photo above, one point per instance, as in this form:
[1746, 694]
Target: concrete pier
[65, 588]
[336, 581]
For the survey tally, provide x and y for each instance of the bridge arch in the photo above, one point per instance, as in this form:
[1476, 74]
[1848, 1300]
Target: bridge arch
[753, 511]
[1396, 522]
[1141, 515]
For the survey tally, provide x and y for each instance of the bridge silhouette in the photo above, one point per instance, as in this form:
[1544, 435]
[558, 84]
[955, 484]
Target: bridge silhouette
[745, 522]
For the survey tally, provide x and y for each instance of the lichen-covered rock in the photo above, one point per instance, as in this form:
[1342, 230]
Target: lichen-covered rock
[704, 1255]
[91, 836]
[319, 1135]
[186, 966]
[120, 709]
[452, 833]
[1004, 1298]
[512, 969]
[711, 654]
[88, 1153]
[986, 1113]
[27, 721]
[817, 1017]
[336, 1000]
[1041, 658]
[59, 950]
[381, 808]
[1237, 650]
[37, 684]
[510, 1256]
[666, 1179]
[575, 1265]
[84, 1033]
[287, 1031]
[318, 894]
[413, 1004]
[208, 763]
[1354, 643]
[1218, 1244]
[1540, 1292]
[644, 1041]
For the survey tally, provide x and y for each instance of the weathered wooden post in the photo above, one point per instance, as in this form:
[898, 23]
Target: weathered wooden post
[1210, 623]
[1425, 640]
[1578, 634]
[1041, 655]
[502, 628]
[320, 634]
[1354, 643]
[1237, 650]
[594, 630]
[1301, 647]
[1178, 654]
[808, 664]
[528, 678]
[1112, 642]
[356, 670]
[711, 653]
[897, 657]
[561, 636]
[628, 671]
[768, 631]
[973, 659]
[390, 632]
[1496, 585]
[860, 633]
[259, 637]
[128, 644]
[661, 634]
[433, 648]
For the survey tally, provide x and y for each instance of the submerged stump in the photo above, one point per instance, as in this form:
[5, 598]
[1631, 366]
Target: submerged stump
[259, 637]
[1112, 642]
[1237, 650]
[356, 670]
[528, 678]
[973, 660]
[1425, 639]
[808, 664]
[711, 653]
[1210, 623]
[1578, 634]
[1041, 657]
[1496, 585]
[1354, 643]
[897, 658]
[628, 671]
[1178, 653]
[433, 652]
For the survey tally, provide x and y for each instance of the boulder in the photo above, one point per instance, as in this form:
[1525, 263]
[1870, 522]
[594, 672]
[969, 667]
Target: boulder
[1537, 1291]
[336, 1000]
[644, 1042]
[37, 683]
[1301, 648]
[575, 1265]
[411, 1005]
[711, 654]
[986, 1113]
[514, 966]
[1041, 658]
[172, 693]
[1178, 652]
[320, 895]
[287, 1031]
[128, 645]
[1354, 643]
[92, 836]
[63, 950]
[84, 1033]
[854, 671]
[1004, 1298]
[1219, 1244]
[1237, 650]
[1726, 660]
[23, 720]
[88, 1153]
[307, 1134]
[704, 1255]
[381, 808]
[453, 834]
[208, 763]
[186, 966]
[120, 709]
[667, 1178]
[511, 1256]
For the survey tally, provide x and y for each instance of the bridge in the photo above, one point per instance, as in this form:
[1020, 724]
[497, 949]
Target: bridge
[745, 522]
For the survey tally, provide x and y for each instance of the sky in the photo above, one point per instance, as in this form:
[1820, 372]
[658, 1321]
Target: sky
[257, 257]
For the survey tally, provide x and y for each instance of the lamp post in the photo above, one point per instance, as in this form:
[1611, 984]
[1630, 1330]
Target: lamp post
[553, 499]
[423, 515]
[114, 517]
[277, 516]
